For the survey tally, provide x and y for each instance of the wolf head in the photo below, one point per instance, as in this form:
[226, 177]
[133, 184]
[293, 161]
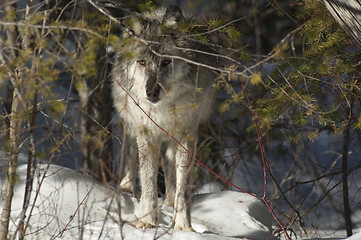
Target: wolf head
[155, 60]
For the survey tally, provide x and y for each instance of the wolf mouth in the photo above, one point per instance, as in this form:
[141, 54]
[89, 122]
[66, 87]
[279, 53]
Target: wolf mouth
[153, 99]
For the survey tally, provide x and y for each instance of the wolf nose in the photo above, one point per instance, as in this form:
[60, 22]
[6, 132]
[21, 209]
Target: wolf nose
[153, 95]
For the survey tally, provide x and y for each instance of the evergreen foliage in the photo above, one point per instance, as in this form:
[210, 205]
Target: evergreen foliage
[296, 89]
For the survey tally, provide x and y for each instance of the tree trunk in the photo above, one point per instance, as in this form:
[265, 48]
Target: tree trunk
[14, 130]
[96, 104]
[8, 191]
[345, 172]
[348, 14]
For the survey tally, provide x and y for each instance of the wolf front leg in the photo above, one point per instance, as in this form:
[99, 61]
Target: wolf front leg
[181, 216]
[148, 168]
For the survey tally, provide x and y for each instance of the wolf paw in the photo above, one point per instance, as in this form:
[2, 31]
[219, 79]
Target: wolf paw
[144, 225]
[126, 187]
[184, 228]
[140, 224]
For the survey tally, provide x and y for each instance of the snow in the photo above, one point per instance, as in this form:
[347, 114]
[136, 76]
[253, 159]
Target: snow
[70, 205]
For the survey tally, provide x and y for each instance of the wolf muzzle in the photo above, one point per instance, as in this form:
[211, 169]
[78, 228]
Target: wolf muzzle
[152, 89]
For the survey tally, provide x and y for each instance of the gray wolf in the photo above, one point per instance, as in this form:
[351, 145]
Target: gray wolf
[156, 82]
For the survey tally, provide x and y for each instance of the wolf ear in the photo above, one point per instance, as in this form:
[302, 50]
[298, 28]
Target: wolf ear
[173, 15]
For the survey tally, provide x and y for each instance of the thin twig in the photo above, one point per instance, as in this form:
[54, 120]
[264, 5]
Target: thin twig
[75, 213]
[62, 27]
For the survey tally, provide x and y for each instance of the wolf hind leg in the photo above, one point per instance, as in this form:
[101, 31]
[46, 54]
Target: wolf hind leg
[169, 169]
[128, 182]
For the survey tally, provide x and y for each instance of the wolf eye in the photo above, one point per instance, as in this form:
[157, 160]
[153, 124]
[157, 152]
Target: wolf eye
[166, 62]
[142, 62]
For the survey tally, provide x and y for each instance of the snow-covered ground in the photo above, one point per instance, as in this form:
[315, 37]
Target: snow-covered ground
[68, 205]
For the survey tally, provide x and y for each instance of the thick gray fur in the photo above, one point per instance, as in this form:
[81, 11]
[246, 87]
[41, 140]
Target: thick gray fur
[154, 82]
